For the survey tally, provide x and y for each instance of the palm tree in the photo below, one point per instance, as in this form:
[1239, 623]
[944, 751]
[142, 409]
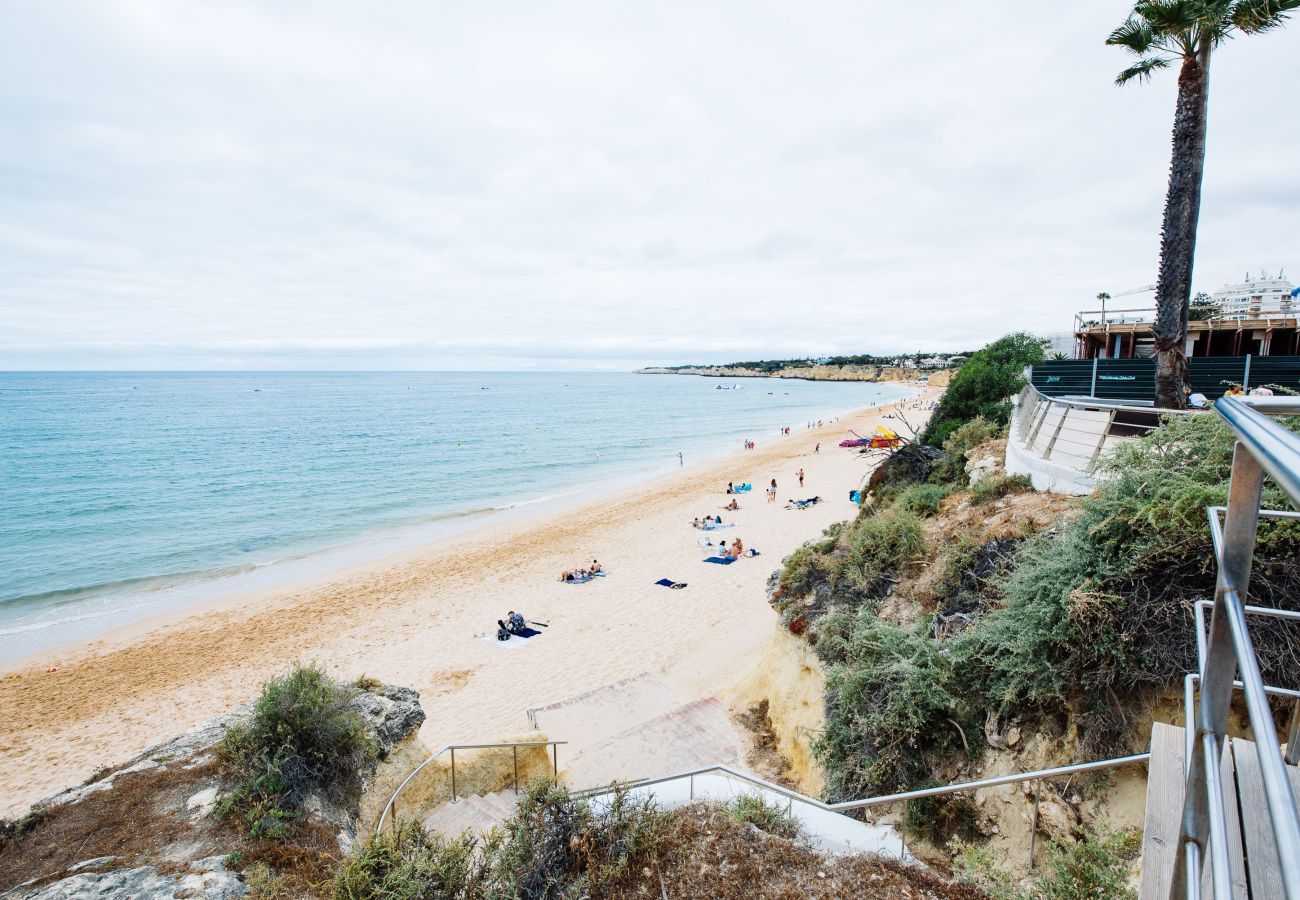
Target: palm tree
[1159, 32]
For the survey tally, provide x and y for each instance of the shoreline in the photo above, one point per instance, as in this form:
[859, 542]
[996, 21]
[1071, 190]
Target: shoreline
[415, 617]
[160, 598]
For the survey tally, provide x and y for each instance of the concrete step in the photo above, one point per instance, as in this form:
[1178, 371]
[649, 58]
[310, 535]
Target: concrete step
[474, 812]
[690, 736]
[595, 715]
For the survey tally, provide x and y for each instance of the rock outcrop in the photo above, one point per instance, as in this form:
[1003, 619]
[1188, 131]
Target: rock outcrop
[146, 829]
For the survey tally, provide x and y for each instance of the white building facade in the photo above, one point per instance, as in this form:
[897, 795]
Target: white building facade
[1256, 296]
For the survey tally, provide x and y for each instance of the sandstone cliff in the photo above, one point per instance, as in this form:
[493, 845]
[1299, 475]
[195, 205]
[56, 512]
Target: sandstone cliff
[938, 378]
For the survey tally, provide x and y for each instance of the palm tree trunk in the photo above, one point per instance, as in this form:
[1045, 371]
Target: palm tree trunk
[1178, 237]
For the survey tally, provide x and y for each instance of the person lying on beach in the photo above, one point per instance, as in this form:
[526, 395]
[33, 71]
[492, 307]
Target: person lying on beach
[596, 568]
[574, 574]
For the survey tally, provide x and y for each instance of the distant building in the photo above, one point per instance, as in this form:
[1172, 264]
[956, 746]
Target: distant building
[1259, 316]
[1253, 297]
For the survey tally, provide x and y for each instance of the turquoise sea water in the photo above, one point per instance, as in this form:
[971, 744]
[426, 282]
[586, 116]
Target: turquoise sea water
[122, 494]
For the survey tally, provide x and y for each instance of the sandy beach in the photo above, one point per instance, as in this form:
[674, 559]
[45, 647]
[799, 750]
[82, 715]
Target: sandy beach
[419, 619]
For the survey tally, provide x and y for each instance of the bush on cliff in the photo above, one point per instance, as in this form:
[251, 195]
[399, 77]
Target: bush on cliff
[303, 736]
[984, 385]
[1089, 619]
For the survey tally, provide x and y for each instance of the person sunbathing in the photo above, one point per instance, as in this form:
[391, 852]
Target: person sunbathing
[596, 568]
[737, 549]
[733, 505]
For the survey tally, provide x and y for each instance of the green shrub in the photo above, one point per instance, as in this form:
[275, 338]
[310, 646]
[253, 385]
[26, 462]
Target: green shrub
[890, 706]
[951, 469]
[407, 863]
[303, 735]
[995, 487]
[1095, 867]
[983, 387]
[923, 499]
[941, 819]
[763, 816]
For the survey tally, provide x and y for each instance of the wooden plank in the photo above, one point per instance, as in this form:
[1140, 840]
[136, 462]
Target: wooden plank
[1232, 815]
[1261, 855]
[1165, 782]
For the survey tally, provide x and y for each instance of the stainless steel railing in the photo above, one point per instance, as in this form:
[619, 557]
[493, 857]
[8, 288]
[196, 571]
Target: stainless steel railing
[391, 805]
[1225, 651]
[1074, 430]
[850, 805]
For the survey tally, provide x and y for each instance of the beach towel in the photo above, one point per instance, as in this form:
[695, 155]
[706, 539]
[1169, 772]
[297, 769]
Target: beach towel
[855, 496]
[716, 527]
[669, 583]
[583, 580]
[514, 643]
[740, 489]
[720, 560]
[527, 633]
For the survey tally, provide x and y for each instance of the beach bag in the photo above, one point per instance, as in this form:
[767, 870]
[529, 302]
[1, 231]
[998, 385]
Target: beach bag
[503, 635]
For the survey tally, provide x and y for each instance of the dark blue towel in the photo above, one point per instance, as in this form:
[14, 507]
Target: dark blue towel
[527, 633]
[720, 560]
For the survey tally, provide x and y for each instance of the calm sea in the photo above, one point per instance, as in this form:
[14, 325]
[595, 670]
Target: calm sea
[123, 494]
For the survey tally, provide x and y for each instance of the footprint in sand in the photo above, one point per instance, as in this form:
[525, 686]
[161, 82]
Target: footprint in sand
[449, 681]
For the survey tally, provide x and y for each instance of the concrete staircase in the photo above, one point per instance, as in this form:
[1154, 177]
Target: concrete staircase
[476, 813]
[638, 728]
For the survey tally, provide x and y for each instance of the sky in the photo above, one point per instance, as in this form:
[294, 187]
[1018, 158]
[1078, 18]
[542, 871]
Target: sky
[570, 185]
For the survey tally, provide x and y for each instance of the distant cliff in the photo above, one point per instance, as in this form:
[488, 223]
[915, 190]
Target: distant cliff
[938, 378]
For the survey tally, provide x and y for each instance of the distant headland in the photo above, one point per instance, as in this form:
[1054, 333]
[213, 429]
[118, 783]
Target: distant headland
[919, 367]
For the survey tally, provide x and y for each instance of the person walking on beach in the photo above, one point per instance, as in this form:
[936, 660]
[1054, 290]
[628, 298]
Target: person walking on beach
[800, 474]
[680, 462]
[771, 492]
[817, 449]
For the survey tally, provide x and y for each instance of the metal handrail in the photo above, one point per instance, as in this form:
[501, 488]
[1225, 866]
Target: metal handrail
[452, 748]
[1262, 447]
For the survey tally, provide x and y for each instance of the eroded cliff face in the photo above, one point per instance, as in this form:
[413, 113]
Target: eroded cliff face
[145, 828]
[788, 684]
[937, 378]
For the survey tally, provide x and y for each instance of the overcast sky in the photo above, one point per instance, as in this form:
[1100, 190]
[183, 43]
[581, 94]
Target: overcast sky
[597, 185]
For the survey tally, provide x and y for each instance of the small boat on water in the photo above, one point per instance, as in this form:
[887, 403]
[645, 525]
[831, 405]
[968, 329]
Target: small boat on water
[727, 387]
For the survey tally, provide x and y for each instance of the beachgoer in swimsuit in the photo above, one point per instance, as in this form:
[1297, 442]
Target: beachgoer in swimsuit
[596, 567]
[800, 474]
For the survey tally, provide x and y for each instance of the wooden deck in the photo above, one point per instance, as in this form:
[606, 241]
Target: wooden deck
[1254, 860]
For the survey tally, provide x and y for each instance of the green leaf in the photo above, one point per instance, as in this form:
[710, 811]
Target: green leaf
[1141, 70]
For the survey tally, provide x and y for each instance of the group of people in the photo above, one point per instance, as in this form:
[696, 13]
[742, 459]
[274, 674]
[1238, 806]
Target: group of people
[733, 551]
[513, 624]
[749, 445]
[709, 521]
[1200, 401]
[583, 574]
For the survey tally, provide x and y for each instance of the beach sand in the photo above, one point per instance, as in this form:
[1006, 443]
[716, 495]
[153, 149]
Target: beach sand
[418, 618]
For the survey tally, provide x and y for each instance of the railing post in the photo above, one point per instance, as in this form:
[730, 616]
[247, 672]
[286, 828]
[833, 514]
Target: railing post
[555, 761]
[1245, 375]
[453, 774]
[692, 787]
[1033, 827]
[1065, 411]
[1202, 813]
[515, 751]
[1093, 390]
[1047, 408]
[1293, 736]
[1101, 442]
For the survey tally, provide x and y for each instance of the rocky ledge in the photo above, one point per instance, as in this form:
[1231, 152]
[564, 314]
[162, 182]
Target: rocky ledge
[145, 829]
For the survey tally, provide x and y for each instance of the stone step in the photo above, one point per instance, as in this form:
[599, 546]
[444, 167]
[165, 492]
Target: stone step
[596, 715]
[690, 736]
[474, 812]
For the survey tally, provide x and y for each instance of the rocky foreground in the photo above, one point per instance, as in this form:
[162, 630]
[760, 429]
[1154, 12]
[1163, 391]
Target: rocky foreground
[145, 829]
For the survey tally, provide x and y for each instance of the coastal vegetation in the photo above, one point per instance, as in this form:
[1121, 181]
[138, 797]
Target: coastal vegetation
[559, 845]
[1160, 33]
[937, 630]
[983, 386]
[303, 735]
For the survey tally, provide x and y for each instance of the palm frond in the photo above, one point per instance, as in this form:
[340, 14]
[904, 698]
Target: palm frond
[1141, 70]
[1135, 36]
[1256, 16]
[1172, 17]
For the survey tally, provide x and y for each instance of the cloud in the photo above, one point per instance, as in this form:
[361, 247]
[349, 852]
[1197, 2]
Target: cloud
[591, 185]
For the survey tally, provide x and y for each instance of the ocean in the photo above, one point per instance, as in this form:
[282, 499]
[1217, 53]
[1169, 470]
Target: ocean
[126, 494]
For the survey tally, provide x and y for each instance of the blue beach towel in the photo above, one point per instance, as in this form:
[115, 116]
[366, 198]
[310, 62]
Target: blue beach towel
[669, 583]
[720, 560]
[855, 496]
[740, 489]
[527, 633]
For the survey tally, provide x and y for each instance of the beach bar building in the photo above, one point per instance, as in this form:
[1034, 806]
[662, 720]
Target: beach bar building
[1255, 317]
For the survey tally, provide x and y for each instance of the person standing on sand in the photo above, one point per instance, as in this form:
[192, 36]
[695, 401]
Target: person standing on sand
[681, 462]
[800, 474]
[771, 492]
[817, 449]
